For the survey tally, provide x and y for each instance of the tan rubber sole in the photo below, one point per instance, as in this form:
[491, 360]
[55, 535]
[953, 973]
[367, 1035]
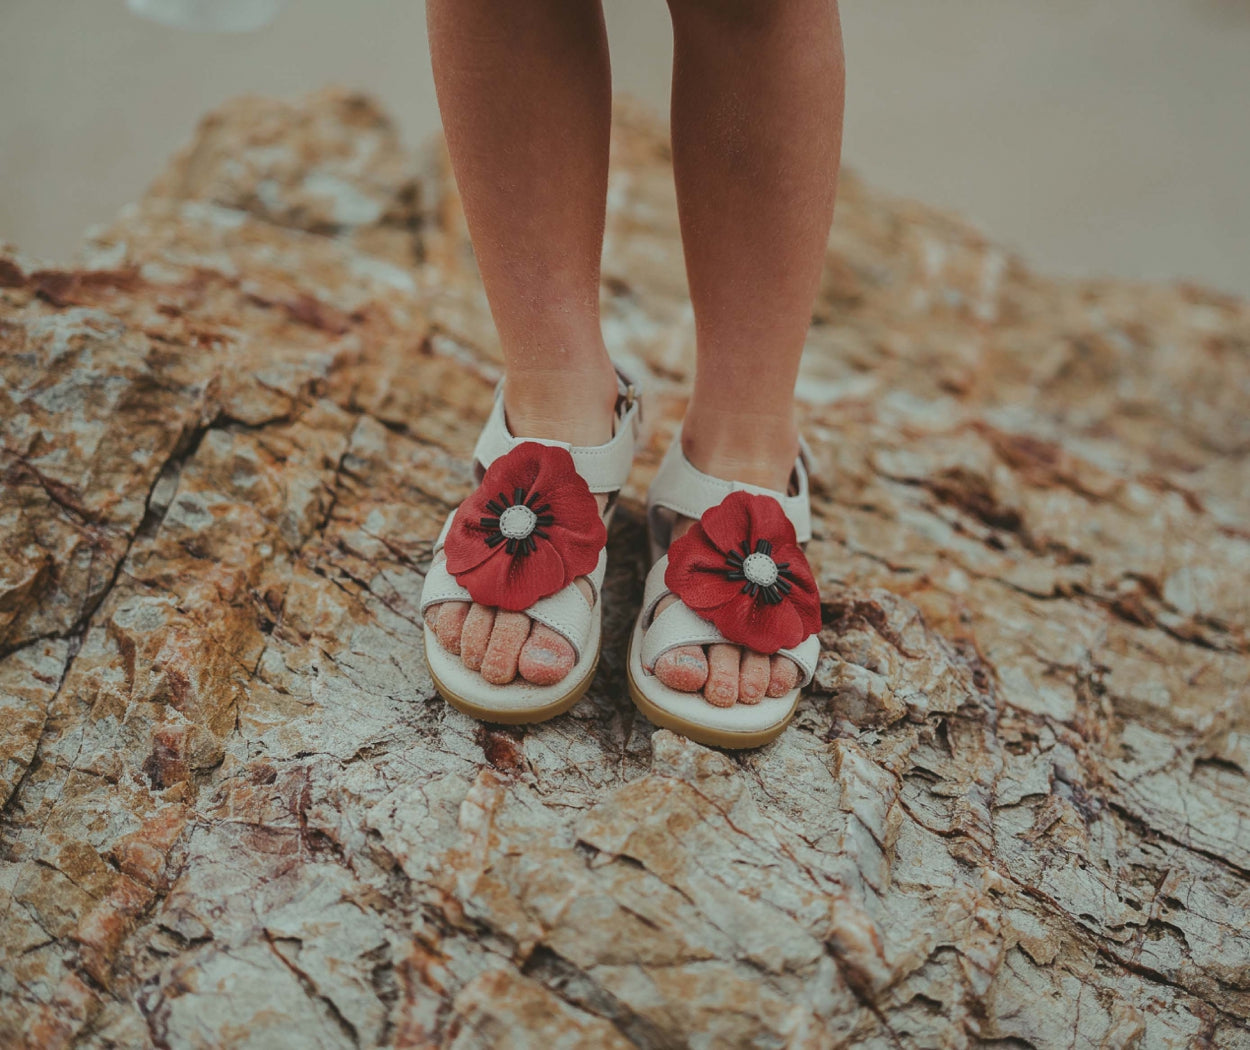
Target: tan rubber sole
[517, 718]
[702, 734]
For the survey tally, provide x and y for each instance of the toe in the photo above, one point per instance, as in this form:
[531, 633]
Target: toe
[499, 665]
[753, 677]
[448, 624]
[722, 675]
[783, 677]
[546, 657]
[683, 668]
[476, 635]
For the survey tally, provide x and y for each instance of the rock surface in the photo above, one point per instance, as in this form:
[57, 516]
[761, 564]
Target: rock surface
[1013, 812]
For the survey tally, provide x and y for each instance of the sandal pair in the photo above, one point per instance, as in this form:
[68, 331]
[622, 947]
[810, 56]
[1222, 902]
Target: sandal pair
[533, 527]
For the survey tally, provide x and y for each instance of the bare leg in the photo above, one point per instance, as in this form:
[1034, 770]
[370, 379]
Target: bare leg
[757, 137]
[525, 94]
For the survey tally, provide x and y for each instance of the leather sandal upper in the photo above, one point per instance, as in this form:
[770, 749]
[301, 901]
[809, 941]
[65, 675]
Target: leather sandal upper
[739, 573]
[533, 526]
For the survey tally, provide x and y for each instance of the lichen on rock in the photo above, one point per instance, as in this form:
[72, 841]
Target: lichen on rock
[1012, 811]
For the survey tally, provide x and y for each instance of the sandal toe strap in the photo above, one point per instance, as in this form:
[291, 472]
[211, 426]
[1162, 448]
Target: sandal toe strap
[679, 625]
[441, 586]
[654, 590]
[676, 626]
[567, 612]
[805, 656]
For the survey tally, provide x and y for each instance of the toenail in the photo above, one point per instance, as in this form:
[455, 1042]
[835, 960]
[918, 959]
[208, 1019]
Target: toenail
[541, 655]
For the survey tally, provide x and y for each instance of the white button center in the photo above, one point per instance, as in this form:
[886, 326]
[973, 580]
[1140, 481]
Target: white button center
[760, 569]
[517, 522]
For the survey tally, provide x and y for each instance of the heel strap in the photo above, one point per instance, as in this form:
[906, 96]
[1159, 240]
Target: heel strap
[604, 467]
[683, 489]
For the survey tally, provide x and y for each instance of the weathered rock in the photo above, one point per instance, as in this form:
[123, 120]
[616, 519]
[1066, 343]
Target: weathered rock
[1013, 812]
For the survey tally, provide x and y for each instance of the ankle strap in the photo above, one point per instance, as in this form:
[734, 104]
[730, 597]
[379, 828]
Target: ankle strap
[604, 467]
[682, 488]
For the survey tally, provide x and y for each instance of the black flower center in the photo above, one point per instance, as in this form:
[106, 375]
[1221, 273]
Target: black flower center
[516, 530]
[763, 579]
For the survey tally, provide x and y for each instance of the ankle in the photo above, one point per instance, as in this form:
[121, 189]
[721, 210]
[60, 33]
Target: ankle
[574, 405]
[758, 450]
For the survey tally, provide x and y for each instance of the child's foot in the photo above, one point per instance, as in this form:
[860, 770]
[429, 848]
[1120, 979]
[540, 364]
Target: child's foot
[725, 674]
[498, 644]
[729, 674]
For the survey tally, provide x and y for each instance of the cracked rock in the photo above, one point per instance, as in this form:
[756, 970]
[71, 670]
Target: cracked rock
[1013, 810]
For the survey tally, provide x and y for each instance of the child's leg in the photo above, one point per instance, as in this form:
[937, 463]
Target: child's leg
[757, 135]
[525, 94]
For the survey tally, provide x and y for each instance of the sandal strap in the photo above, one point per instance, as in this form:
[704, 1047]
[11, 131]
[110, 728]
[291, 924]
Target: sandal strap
[567, 612]
[654, 591]
[441, 586]
[676, 626]
[604, 467]
[679, 625]
[684, 489]
[806, 655]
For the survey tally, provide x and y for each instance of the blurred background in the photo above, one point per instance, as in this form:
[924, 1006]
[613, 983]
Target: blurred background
[1093, 136]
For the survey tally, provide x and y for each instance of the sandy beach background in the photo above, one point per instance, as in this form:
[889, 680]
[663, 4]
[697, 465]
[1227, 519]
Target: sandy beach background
[1095, 136]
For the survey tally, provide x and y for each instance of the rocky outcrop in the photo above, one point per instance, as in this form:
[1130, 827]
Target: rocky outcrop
[1013, 812]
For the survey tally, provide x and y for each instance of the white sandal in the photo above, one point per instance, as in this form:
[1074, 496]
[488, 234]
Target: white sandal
[725, 567]
[519, 542]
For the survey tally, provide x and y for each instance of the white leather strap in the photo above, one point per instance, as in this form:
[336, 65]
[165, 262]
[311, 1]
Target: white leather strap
[805, 656]
[654, 590]
[680, 487]
[676, 626]
[597, 575]
[604, 467]
[680, 625]
[441, 586]
[567, 612]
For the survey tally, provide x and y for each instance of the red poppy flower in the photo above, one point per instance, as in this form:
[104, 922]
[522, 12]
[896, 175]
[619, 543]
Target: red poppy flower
[530, 529]
[741, 567]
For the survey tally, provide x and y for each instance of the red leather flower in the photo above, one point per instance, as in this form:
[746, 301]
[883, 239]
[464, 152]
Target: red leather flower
[741, 567]
[529, 530]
